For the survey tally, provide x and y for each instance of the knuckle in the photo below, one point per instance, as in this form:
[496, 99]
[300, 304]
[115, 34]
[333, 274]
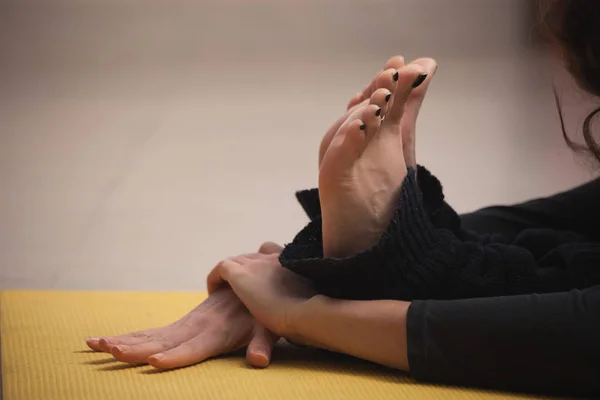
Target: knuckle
[269, 248]
[190, 347]
[264, 248]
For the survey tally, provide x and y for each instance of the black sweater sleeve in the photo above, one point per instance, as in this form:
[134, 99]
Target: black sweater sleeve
[440, 213]
[544, 344]
[427, 254]
[575, 210]
[309, 200]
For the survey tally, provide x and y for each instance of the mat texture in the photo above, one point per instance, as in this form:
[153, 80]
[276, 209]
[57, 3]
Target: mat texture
[44, 357]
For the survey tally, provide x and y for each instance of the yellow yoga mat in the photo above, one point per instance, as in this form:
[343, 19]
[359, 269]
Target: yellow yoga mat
[44, 357]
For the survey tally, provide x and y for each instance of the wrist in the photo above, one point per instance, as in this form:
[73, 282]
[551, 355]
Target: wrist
[371, 330]
[303, 320]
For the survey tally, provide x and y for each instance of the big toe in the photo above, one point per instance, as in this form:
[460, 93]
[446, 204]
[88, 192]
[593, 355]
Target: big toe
[407, 79]
[430, 67]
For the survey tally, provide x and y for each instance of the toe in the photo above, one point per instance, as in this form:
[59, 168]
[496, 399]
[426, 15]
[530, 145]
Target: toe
[408, 78]
[393, 63]
[411, 112]
[346, 147]
[391, 66]
[354, 138]
[371, 117]
[381, 98]
[388, 80]
[430, 67]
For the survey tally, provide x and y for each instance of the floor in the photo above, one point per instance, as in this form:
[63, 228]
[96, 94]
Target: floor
[141, 142]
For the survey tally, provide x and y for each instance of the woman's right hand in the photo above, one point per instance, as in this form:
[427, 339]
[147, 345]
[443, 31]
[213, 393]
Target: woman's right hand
[221, 324]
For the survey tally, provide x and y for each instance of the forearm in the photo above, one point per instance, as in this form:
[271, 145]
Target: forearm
[546, 344]
[371, 330]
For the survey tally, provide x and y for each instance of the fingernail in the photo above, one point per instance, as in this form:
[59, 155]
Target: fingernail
[396, 75]
[388, 97]
[156, 357]
[122, 348]
[419, 81]
[362, 127]
[378, 112]
[92, 339]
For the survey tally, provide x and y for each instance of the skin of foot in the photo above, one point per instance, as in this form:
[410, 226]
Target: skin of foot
[364, 165]
[361, 98]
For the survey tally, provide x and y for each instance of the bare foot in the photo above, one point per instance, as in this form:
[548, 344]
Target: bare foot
[364, 166]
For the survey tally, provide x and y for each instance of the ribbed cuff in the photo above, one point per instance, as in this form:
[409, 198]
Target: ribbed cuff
[404, 264]
[442, 216]
[310, 202]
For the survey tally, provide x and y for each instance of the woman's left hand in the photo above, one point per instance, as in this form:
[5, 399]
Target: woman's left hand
[271, 293]
[287, 305]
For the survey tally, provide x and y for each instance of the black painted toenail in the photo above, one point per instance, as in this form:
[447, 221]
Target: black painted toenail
[362, 127]
[396, 75]
[419, 80]
[388, 97]
[378, 112]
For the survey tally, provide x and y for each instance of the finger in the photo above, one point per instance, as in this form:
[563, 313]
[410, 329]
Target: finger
[105, 343]
[269, 248]
[261, 347]
[188, 353]
[93, 343]
[139, 353]
[219, 275]
[244, 258]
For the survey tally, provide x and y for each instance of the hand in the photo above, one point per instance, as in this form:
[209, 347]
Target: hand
[274, 295]
[219, 325]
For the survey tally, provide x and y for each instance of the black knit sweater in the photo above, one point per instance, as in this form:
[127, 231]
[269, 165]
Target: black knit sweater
[540, 343]
[425, 253]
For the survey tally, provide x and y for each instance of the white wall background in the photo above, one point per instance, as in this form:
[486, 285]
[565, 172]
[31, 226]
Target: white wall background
[142, 141]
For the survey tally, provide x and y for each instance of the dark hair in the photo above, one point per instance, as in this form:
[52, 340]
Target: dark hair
[573, 27]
